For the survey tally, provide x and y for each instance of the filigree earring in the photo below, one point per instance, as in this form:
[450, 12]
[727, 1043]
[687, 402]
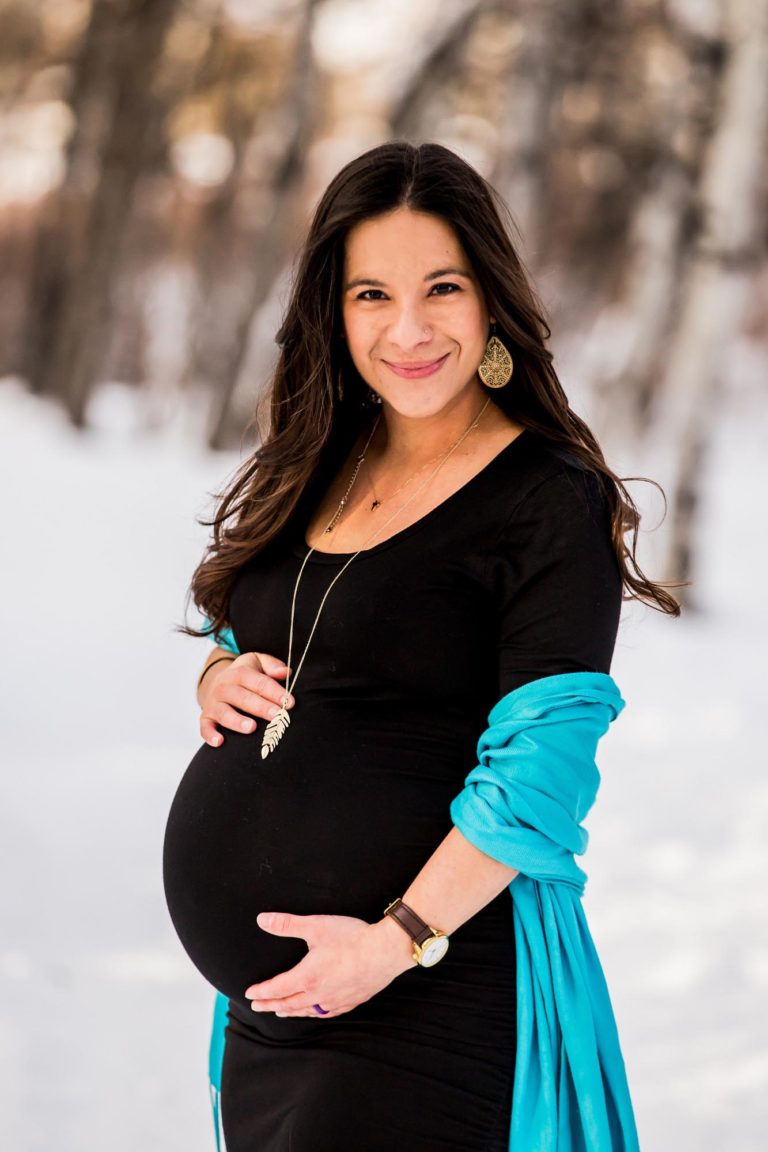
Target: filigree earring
[373, 396]
[496, 367]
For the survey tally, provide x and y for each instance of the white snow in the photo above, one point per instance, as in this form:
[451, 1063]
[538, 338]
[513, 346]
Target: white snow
[103, 1021]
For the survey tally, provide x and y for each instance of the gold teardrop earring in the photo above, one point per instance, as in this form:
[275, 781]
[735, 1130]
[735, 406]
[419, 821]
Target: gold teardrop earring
[496, 367]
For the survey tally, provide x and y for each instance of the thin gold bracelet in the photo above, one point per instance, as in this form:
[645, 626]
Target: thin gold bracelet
[209, 666]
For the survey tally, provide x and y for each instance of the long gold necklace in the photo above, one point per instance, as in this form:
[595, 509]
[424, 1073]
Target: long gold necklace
[274, 731]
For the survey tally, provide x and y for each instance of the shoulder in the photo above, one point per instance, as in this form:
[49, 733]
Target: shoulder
[544, 481]
[558, 532]
[553, 561]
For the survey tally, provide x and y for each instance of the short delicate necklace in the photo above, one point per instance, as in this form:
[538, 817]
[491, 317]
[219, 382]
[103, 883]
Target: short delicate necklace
[277, 726]
[376, 502]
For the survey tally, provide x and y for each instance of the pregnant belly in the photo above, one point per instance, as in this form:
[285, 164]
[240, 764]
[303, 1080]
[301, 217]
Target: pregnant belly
[332, 822]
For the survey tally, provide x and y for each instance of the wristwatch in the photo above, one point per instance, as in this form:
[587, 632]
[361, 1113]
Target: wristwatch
[429, 944]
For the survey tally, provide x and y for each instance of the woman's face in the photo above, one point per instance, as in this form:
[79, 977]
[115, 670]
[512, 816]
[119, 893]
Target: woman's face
[415, 320]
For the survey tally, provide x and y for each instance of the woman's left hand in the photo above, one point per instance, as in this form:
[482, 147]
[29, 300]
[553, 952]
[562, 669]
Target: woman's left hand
[349, 960]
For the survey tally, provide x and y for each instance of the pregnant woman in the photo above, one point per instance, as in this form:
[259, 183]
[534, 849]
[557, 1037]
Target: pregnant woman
[416, 583]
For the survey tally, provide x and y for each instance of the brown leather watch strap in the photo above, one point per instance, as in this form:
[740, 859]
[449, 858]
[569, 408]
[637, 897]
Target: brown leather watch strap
[413, 924]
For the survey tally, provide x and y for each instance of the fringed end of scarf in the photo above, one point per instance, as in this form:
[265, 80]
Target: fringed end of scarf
[217, 1128]
[215, 1062]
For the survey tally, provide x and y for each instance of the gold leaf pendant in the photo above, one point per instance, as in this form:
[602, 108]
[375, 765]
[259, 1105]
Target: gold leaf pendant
[273, 732]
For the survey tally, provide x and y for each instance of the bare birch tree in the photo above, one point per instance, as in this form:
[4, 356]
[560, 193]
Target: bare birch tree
[629, 340]
[115, 111]
[532, 85]
[722, 260]
[294, 118]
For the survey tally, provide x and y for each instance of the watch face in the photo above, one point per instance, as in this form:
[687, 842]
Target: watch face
[433, 951]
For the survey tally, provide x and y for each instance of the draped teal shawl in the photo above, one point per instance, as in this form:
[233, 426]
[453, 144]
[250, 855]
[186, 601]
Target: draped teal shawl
[535, 781]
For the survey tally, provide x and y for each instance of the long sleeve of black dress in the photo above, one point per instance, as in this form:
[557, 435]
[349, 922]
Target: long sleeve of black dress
[555, 572]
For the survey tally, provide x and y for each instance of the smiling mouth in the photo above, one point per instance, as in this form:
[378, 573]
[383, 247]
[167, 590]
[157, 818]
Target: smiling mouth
[421, 368]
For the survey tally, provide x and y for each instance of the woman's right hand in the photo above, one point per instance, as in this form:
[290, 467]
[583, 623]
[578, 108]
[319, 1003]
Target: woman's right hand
[250, 682]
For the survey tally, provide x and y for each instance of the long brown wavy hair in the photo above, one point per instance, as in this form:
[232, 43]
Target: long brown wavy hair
[310, 430]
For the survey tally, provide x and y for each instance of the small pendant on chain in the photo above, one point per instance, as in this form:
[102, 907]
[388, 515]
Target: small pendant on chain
[273, 733]
[375, 504]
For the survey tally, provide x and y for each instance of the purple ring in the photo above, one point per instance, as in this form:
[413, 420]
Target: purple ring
[321, 1011]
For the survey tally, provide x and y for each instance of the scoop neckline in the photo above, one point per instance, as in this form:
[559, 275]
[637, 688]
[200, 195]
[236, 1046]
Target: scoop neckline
[300, 546]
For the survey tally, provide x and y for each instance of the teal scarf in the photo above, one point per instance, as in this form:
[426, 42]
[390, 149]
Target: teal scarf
[536, 779]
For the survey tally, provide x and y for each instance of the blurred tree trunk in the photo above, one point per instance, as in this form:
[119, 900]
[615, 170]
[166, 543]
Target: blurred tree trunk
[622, 390]
[531, 90]
[633, 331]
[233, 301]
[723, 257]
[433, 65]
[76, 261]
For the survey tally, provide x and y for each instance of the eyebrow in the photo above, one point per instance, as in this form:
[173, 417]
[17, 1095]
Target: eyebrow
[430, 276]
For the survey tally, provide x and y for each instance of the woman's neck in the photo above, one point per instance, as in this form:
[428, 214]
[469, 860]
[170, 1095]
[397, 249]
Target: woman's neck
[407, 441]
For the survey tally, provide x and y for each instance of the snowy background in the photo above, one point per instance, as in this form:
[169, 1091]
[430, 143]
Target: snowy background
[104, 1024]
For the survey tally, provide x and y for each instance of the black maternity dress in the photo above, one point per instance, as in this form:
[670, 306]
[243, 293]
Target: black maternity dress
[511, 578]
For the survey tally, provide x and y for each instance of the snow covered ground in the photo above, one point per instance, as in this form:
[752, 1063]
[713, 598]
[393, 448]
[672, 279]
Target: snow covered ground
[104, 1023]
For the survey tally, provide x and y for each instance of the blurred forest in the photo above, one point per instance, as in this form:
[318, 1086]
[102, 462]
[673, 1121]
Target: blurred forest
[159, 160]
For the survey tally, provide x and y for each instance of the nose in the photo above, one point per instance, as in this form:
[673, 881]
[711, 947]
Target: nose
[409, 329]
